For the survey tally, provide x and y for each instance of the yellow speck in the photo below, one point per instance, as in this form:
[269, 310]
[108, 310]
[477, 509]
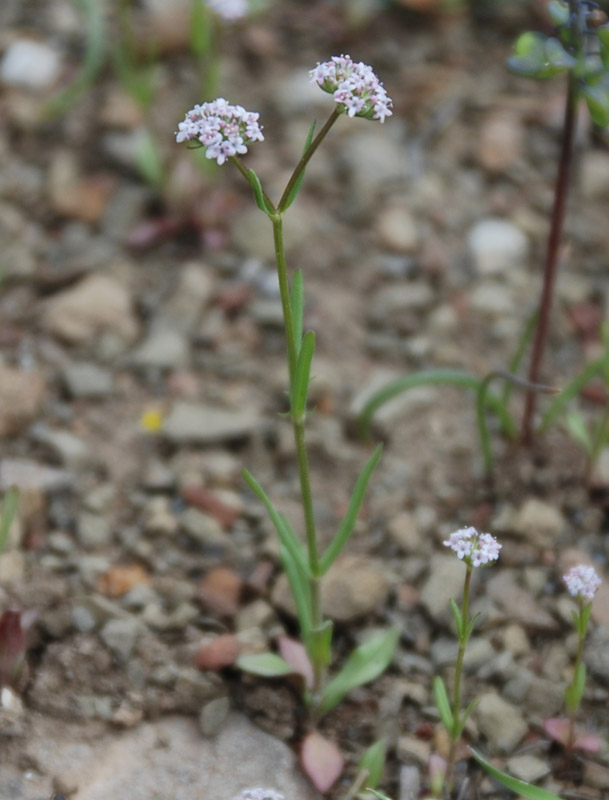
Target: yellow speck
[151, 420]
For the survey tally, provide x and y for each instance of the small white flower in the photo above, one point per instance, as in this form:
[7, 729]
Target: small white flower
[229, 10]
[355, 87]
[472, 547]
[224, 130]
[582, 581]
[259, 794]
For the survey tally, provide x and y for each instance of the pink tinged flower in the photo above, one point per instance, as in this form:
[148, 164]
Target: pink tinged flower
[356, 89]
[222, 129]
[476, 549]
[229, 10]
[582, 581]
[259, 794]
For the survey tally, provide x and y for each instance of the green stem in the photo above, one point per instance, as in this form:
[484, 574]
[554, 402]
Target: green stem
[454, 739]
[301, 166]
[578, 660]
[284, 291]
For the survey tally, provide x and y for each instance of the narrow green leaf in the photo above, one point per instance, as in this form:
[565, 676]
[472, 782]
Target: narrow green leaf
[464, 717]
[297, 307]
[301, 592]
[571, 391]
[148, 159]
[200, 29]
[458, 618]
[443, 703]
[378, 795]
[365, 663]
[10, 501]
[575, 692]
[296, 188]
[300, 389]
[373, 760]
[92, 61]
[519, 354]
[284, 531]
[469, 627]
[261, 200]
[345, 529]
[432, 377]
[576, 426]
[513, 784]
[268, 665]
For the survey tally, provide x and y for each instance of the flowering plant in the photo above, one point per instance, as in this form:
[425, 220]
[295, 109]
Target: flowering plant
[226, 131]
[475, 550]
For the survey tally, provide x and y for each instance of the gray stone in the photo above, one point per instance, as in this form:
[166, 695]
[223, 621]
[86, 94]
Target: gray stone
[192, 294]
[176, 620]
[596, 653]
[194, 423]
[375, 159]
[594, 173]
[30, 64]
[31, 475]
[389, 303]
[203, 528]
[500, 722]
[353, 587]
[82, 619]
[120, 636]
[397, 230]
[538, 522]
[92, 530]
[68, 449]
[445, 582]
[520, 605]
[404, 532]
[22, 394]
[163, 348]
[497, 246]
[131, 764]
[98, 304]
[86, 380]
[213, 716]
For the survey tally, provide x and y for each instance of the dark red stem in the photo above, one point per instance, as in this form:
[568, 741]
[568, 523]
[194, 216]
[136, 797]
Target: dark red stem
[561, 191]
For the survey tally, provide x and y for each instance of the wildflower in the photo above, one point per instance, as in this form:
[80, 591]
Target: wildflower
[224, 130]
[356, 88]
[229, 10]
[582, 581]
[476, 549]
[259, 794]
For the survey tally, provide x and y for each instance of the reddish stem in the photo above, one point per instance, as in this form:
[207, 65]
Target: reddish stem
[561, 191]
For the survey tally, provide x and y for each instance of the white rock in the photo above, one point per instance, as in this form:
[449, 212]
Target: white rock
[397, 230]
[30, 64]
[496, 245]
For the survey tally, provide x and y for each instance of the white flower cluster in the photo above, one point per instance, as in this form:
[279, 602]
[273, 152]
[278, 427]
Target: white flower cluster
[474, 548]
[224, 130]
[259, 794]
[229, 10]
[355, 87]
[582, 581]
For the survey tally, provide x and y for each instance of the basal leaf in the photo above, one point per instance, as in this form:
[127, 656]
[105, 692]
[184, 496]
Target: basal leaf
[373, 761]
[365, 663]
[268, 665]
[513, 784]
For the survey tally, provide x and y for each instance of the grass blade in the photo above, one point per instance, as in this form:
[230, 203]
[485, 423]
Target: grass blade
[10, 501]
[297, 306]
[443, 703]
[300, 389]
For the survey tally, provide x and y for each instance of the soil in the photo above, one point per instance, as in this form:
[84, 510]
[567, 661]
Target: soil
[112, 533]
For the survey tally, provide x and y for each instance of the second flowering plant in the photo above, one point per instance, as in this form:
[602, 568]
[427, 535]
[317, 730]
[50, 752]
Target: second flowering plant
[226, 131]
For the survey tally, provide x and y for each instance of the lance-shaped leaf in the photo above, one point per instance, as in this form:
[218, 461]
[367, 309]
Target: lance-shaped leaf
[297, 307]
[365, 663]
[345, 529]
[267, 665]
[575, 691]
[261, 200]
[295, 654]
[301, 591]
[287, 537]
[373, 761]
[7, 515]
[513, 784]
[443, 703]
[300, 388]
[296, 188]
